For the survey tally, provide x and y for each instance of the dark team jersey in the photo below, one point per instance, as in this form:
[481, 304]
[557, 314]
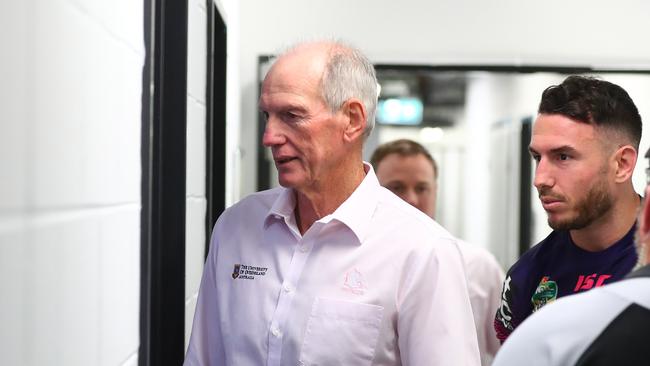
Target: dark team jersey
[554, 268]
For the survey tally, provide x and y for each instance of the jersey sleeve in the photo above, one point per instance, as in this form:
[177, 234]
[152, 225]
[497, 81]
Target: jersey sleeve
[506, 317]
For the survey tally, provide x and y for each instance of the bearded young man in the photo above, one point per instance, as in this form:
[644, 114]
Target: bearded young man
[607, 326]
[584, 142]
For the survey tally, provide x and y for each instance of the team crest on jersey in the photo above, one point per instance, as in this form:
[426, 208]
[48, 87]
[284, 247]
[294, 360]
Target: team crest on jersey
[545, 293]
[247, 272]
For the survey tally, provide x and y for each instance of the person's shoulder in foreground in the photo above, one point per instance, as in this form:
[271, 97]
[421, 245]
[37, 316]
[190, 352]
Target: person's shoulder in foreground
[609, 325]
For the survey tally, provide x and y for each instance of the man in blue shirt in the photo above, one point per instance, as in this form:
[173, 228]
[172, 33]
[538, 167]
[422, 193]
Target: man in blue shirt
[584, 142]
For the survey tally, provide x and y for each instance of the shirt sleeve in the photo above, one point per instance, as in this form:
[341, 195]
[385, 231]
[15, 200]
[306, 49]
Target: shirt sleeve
[504, 320]
[206, 345]
[435, 323]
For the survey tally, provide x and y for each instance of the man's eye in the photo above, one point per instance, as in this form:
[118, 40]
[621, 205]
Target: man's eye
[536, 157]
[563, 157]
[290, 116]
[266, 115]
[396, 189]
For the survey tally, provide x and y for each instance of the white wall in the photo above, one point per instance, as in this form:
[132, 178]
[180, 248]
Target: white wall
[70, 101]
[230, 12]
[196, 138]
[196, 201]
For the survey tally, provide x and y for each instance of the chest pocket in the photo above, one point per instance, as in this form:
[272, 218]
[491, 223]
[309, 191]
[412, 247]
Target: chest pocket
[341, 333]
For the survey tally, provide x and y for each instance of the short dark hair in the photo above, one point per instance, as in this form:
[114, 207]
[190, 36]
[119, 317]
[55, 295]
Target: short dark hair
[594, 101]
[401, 147]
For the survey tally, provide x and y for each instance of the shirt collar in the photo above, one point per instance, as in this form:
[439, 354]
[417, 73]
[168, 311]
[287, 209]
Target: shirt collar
[355, 212]
[282, 207]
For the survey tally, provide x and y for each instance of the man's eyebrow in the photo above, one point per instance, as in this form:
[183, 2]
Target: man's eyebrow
[557, 150]
[394, 181]
[294, 107]
[564, 149]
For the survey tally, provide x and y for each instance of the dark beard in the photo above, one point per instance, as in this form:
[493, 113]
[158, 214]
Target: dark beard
[596, 204]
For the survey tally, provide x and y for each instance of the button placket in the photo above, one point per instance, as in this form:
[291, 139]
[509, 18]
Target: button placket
[276, 331]
[287, 292]
[287, 287]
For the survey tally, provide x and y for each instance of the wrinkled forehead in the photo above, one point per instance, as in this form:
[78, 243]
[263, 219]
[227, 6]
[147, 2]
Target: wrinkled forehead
[305, 62]
[293, 74]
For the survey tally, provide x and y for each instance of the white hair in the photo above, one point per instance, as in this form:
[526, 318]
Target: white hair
[349, 74]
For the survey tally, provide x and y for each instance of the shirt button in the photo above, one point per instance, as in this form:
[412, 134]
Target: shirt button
[276, 332]
[304, 248]
[287, 287]
[300, 363]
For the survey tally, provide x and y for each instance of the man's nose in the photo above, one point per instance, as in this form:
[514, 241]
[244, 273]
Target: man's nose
[543, 175]
[411, 197]
[272, 133]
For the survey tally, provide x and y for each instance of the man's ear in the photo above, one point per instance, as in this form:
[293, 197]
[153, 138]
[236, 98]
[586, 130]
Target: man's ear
[625, 160]
[355, 113]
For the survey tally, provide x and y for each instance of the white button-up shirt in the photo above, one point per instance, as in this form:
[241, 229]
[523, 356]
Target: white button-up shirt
[377, 282]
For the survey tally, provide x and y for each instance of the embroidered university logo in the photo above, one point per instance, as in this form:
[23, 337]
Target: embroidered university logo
[235, 271]
[354, 282]
[545, 293]
[246, 272]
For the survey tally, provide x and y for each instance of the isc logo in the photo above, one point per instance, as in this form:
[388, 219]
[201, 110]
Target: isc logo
[587, 282]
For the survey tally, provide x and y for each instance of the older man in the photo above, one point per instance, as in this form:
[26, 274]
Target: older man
[607, 326]
[330, 268]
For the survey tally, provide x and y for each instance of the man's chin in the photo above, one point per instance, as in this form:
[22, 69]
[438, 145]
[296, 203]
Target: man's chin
[555, 225]
[287, 182]
[567, 224]
[559, 223]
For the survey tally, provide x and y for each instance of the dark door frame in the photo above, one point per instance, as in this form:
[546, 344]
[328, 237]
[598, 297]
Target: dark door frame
[526, 222]
[164, 122]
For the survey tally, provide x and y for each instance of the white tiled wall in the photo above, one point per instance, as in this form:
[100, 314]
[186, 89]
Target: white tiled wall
[70, 101]
[196, 203]
[196, 155]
